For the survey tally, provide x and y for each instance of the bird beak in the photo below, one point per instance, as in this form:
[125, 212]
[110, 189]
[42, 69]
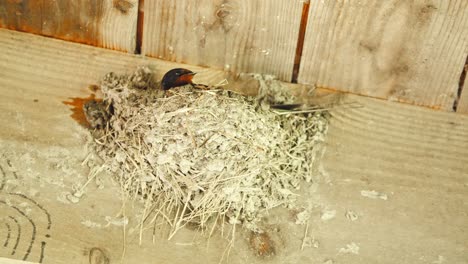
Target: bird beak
[192, 73]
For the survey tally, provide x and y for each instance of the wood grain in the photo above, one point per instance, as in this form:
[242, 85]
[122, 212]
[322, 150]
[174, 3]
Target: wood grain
[110, 23]
[412, 155]
[36, 123]
[410, 51]
[418, 157]
[238, 36]
[14, 261]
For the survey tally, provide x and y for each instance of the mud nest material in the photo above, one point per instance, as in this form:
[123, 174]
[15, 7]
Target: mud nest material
[206, 156]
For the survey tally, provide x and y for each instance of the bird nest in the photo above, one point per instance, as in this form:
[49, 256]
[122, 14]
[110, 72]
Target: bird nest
[205, 156]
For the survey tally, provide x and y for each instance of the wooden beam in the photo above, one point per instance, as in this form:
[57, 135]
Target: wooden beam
[415, 156]
[110, 24]
[14, 261]
[238, 36]
[409, 51]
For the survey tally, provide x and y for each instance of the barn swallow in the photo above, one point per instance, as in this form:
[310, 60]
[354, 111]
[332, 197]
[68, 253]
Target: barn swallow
[177, 77]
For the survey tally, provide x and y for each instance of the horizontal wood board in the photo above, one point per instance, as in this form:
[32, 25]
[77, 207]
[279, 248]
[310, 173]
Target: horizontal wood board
[415, 157]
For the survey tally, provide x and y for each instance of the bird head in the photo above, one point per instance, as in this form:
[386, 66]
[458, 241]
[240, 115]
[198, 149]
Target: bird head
[176, 77]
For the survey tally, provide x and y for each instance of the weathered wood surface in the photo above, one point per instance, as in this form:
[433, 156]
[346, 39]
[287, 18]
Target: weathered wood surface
[14, 261]
[239, 36]
[416, 156]
[410, 51]
[36, 75]
[110, 23]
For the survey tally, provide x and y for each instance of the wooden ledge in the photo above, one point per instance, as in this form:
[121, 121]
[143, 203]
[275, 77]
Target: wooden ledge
[415, 158]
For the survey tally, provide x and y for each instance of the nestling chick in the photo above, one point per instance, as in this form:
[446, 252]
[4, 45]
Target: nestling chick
[176, 77]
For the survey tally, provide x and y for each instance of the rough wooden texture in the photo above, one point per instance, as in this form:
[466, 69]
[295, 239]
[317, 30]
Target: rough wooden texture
[239, 36]
[413, 156]
[14, 261]
[410, 51]
[110, 23]
[416, 156]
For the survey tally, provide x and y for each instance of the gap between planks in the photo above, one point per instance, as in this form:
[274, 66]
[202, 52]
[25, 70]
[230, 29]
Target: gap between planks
[461, 103]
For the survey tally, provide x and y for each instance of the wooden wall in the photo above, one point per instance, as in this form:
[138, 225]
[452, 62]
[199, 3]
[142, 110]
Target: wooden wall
[239, 36]
[110, 24]
[413, 51]
[410, 51]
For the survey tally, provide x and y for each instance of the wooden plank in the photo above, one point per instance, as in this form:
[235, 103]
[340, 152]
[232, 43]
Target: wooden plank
[412, 156]
[14, 261]
[416, 156]
[463, 102]
[238, 36]
[110, 23]
[32, 113]
[409, 51]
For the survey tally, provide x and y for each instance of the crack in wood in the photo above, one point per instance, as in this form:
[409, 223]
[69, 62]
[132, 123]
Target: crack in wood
[300, 41]
[461, 84]
[140, 22]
